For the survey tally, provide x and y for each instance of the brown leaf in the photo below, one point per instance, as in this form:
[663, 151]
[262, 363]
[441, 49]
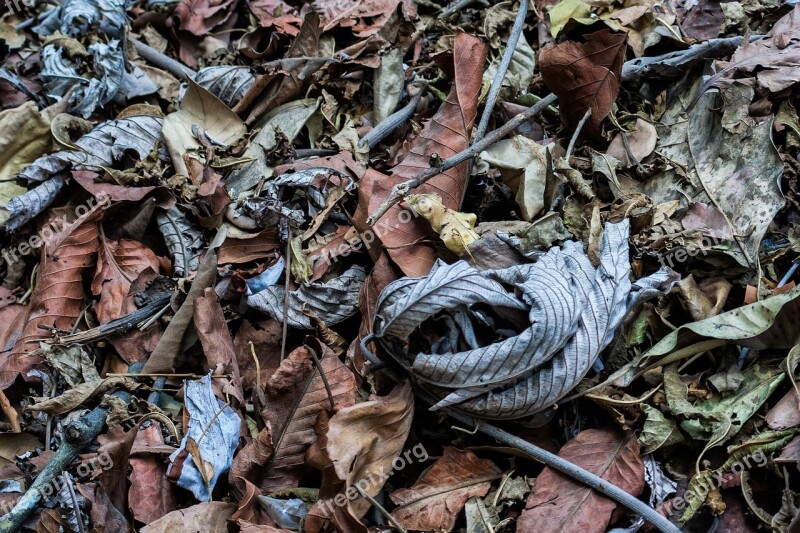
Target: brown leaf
[293, 411]
[704, 20]
[208, 517]
[215, 338]
[150, 496]
[276, 13]
[266, 338]
[446, 134]
[585, 76]
[249, 462]
[103, 511]
[557, 503]
[201, 16]
[241, 250]
[438, 497]
[57, 299]
[365, 439]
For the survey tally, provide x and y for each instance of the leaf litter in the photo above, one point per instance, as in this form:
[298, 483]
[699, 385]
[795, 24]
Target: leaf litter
[265, 268]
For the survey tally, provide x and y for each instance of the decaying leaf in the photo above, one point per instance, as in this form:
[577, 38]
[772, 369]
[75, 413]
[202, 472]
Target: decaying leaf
[436, 499]
[557, 503]
[573, 311]
[454, 228]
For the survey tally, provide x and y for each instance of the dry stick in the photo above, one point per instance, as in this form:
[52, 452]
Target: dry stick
[575, 135]
[160, 60]
[575, 472]
[497, 82]
[461, 4]
[77, 435]
[400, 190]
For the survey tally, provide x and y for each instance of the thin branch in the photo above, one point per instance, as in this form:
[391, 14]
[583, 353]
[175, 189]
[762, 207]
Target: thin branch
[155, 57]
[392, 122]
[380, 509]
[577, 133]
[458, 6]
[497, 82]
[574, 471]
[401, 190]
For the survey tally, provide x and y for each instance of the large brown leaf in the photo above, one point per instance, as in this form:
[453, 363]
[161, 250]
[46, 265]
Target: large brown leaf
[439, 496]
[365, 439]
[585, 76]
[57, 299]
[557, 503]
[120, 264]
[297, 396]
[446, 134]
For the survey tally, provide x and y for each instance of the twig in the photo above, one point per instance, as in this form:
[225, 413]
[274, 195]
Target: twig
[577, 133]
[288, 273]
[401, 190]
[636, 69]
[574, 471]
[160, 60]
[380, 509]
[497, 82]
[392, 122]
[77, 435]
[67, 479]
[461, 4]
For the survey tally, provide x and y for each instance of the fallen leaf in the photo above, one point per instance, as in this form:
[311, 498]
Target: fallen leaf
[438, 497]
[557, 503]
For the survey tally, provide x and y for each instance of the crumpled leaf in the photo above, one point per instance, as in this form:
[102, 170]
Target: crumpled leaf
[184, 240]
[76, 17]
[521, 154]
[438, 497]
[213, 434]
[228, 83]
[585, 76]
[366, 438]
[276, 13]
[72, 363]
[573, 313]
[151, 494]
[107, 145]
[26, 136]
[454, 228]
[332, 301]
[558, 503]
[199, 110]
[641, 143]
[563, 11]
[74, 397]
[658, 431]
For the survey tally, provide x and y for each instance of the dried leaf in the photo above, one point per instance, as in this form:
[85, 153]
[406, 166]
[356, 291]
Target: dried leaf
[557, 503]
[208, 517]
[438, 497]
[184, 240]
[585, 76]
[454, 228]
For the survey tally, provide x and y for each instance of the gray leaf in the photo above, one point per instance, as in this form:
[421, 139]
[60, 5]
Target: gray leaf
[573, 309]
[104, 146]
[25, 207]
[76, 17]
[229, 84]
[332, 302]
[184, 240]
[407, 303]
